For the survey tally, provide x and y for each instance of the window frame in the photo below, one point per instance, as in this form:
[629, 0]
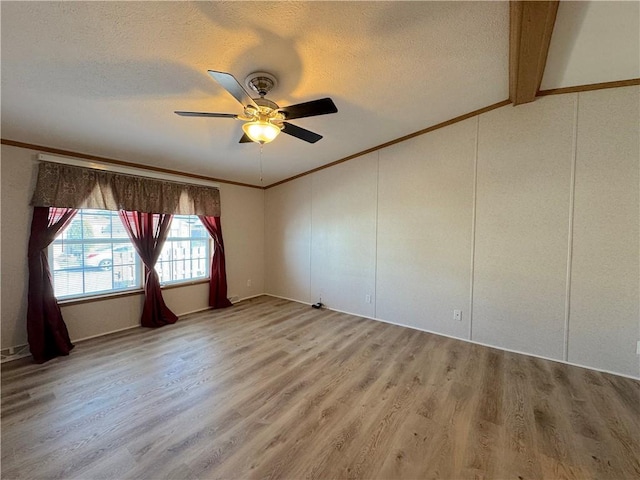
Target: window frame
[206, 259]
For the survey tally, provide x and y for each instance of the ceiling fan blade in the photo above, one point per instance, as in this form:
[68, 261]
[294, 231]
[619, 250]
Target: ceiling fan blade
[301, 133]
[205, 114]
[322, 106]
[231, 85]
[245, 139]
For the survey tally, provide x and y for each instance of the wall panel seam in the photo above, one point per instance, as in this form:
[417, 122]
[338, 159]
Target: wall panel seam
[572, 193]
[473, 226]
[311, 240]
[265, 286]
[375, 259]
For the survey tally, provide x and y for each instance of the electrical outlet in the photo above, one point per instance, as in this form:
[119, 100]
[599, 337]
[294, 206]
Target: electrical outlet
[367, 298]
[457, 315]
[638, 348]
[249, 283]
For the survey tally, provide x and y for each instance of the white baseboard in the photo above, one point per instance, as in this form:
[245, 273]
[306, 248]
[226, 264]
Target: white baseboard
[14, 353]
[15, 357]
[467, 340]
[509, 349]
[197, 310]
[248, 298]
[22, 351]
[82, 339]
[132, 326]
[291, 299]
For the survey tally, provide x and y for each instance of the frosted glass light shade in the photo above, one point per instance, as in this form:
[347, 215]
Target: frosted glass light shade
[261, 131]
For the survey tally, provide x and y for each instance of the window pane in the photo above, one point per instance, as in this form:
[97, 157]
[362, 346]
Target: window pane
[185, 254]
[93, 255]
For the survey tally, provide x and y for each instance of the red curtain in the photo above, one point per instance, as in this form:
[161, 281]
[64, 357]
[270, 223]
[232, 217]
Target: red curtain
[218, 283]
[46, 331]
[148, 231]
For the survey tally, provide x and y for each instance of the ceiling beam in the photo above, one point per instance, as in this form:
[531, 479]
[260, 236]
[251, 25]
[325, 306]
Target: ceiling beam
[531, 25]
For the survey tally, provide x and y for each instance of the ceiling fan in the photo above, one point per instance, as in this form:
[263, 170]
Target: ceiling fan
[264, 119]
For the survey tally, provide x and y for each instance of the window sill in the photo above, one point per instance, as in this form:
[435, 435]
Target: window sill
[169, 286]
[99, 298]
[128, 293]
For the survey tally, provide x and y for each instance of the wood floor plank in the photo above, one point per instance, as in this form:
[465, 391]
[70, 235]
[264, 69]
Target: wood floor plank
[519, 448]
[274, 389]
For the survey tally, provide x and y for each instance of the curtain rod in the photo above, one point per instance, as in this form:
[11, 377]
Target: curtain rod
[140, 172]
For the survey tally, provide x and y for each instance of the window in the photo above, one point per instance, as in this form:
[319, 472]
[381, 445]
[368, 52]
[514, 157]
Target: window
[185, 254]
[94, 255]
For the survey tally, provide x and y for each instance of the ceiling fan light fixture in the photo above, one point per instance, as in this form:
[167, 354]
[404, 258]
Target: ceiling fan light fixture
[261, 131]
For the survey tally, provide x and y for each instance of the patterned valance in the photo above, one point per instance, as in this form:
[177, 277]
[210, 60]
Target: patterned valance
[67, 186]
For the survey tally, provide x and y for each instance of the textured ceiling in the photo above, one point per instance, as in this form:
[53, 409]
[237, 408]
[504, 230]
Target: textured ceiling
[104, 78]
[593, 42]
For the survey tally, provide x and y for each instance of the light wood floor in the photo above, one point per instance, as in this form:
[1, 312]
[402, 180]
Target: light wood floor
[275, 389]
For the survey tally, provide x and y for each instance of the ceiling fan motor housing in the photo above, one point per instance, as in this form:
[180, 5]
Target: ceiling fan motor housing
[261, 82]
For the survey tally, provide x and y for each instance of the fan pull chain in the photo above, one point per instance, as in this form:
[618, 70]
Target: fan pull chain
[261, 145]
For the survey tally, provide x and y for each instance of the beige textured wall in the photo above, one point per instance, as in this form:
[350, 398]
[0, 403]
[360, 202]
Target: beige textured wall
[605, 317]
[243, 230]
[522, 226]
[424, 230]
[343, 229]
[288, 240]
[555, 269]
[18, 180]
